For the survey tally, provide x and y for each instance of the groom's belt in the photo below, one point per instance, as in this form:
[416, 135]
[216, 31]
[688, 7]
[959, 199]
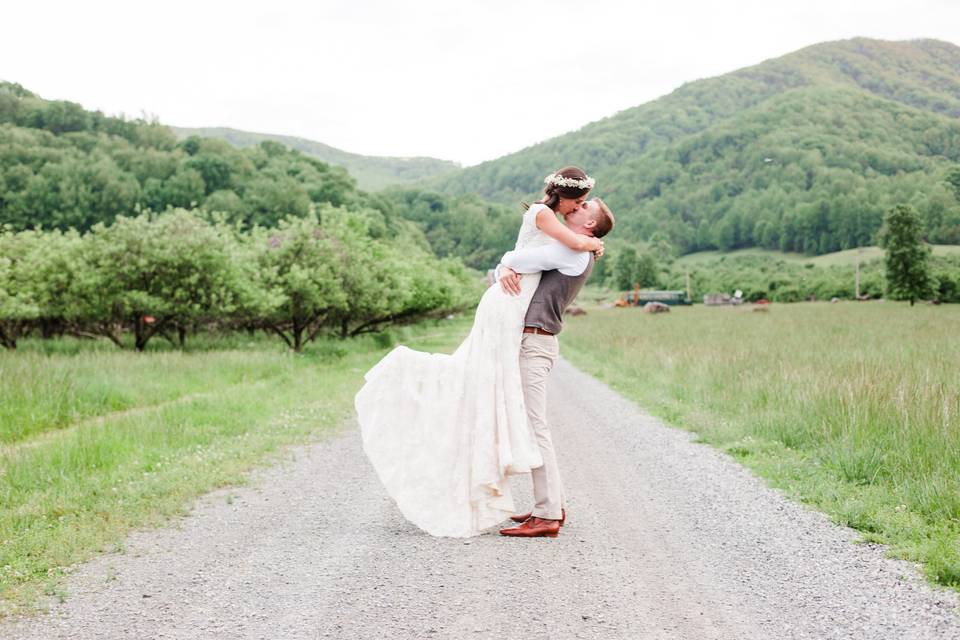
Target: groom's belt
[537, 330]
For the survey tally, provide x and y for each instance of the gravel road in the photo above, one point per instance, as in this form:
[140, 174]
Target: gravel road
[665, 538]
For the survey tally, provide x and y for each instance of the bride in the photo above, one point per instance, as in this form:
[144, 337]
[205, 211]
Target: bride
[443, 432]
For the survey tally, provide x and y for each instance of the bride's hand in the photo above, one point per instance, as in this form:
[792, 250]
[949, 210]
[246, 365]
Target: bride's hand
[510, 281]
[595, 245]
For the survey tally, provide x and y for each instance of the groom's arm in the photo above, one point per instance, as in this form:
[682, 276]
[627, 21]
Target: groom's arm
[552, 255]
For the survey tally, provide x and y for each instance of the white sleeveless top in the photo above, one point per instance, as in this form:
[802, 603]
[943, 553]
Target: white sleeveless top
[530, 235]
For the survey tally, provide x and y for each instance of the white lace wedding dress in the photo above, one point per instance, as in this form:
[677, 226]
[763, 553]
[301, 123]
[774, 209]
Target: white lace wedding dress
[443, 432]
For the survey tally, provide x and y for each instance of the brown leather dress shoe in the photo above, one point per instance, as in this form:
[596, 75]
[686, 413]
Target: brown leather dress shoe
[526, 516]
[534, 528]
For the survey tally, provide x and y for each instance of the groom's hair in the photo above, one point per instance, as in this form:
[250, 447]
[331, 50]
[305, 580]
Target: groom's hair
[603, 217]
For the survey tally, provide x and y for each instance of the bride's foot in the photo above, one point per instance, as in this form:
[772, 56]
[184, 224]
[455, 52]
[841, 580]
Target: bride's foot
[526, 516]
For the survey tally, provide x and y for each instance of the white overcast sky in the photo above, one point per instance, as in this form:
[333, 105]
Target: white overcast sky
[464, 81]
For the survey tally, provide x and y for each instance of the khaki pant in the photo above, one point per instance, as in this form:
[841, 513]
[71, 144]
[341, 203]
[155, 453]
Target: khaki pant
[538, 354]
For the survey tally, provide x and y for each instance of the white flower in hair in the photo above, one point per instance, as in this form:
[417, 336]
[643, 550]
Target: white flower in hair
[560, 181]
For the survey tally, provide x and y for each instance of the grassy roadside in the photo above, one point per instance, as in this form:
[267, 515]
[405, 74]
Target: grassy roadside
[43, 392]
[851, 408]
[67, 493]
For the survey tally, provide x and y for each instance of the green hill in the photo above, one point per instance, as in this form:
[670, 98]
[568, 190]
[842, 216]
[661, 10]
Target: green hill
[802, 153]
[63, 166]
[371, 172]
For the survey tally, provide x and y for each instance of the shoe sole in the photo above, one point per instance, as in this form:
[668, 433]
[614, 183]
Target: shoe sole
[562, 522]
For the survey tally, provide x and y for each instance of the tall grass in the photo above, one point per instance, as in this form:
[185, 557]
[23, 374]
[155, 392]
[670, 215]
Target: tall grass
[42, 392]
[854, 408]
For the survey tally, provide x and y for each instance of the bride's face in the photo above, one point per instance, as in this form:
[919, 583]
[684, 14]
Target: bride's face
[566, 206]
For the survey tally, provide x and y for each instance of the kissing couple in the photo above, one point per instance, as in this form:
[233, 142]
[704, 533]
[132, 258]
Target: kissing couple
[444, 432]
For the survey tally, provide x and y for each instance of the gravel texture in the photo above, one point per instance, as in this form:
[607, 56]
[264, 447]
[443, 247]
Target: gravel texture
[665, 538]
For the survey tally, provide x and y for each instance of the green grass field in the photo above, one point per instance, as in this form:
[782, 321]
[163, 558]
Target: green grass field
[852, 408]
[95, 442]
[838, 258]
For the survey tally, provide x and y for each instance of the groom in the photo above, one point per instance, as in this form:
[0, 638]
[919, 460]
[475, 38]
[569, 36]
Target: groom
[564, 272]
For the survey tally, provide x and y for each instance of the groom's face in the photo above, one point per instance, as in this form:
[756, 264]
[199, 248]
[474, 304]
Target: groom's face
[577, 219]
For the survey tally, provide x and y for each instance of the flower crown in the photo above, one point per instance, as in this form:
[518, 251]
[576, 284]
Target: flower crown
[560, 181]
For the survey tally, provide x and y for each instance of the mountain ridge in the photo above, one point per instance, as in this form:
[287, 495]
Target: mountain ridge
[640, 155]
[371, 172]
[773, 71]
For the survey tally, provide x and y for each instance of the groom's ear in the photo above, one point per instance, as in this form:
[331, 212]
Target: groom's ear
[590, 224]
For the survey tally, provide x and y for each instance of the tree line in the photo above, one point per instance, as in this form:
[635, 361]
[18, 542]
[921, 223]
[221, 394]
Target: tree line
[908, 271]
[177, 272]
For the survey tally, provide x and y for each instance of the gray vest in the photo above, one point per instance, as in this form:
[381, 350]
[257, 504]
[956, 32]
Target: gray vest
[552, 297]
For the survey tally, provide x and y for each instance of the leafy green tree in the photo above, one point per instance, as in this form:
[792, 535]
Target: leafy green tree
[200, 260]
[946, 273]
[953, 181]
[334, 277]
[662, 250]
[37, 271]
[185, 189]
[378, 278]
[55, 265]
[227, 202]
[273, 196]
[907, 255]
[301, 265]
[191, 145]
[726, 238]
[648, 275]
[154, 274]
[626, 264]
[631, 267]
[214, 169]
[18, 295]
[463, 226]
